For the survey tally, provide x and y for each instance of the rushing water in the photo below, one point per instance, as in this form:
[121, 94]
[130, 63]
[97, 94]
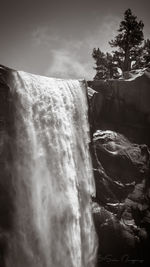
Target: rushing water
[52, 175]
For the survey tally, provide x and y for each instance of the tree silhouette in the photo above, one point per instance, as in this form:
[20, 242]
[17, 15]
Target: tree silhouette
[128, 41]
[105, 66]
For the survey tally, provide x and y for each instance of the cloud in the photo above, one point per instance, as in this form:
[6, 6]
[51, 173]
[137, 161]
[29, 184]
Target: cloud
[103, 33]
[66, 65]
[44, 36]
[69, 57]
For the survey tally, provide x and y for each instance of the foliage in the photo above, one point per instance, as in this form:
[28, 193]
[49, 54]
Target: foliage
[128, 40]
[143, 56]
[105, 66]
[129, 53]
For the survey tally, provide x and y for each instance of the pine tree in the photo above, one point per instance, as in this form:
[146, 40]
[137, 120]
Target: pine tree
[128, 40]
[105, 66]
[100, 62]
[143, 56]
[146, 53]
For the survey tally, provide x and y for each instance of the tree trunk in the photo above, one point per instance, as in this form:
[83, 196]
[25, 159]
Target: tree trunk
[127, 61]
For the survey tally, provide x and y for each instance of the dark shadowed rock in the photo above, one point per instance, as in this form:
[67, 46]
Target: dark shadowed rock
[124, 161]
[121, 207]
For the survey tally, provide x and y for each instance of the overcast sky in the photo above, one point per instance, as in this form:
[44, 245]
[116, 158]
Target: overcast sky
[56, 38]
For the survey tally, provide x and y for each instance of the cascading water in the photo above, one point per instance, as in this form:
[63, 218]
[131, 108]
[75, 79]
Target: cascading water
[51, 175]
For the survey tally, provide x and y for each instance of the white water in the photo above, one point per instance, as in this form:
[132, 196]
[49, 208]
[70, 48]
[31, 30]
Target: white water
[52, 175]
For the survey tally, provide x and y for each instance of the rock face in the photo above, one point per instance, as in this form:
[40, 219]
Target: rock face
[120, 124]
[127, 164]
[123, 106]
[121, 207]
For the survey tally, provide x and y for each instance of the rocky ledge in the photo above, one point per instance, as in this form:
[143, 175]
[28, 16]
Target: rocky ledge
[123, 105]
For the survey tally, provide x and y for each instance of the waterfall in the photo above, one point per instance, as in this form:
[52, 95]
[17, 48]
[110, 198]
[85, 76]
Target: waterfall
[51, 174]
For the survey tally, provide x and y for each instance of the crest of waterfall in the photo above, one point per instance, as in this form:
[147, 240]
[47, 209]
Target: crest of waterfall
[52, 176]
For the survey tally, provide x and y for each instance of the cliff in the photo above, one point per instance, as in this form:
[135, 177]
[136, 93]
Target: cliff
[120, 124]
[123, 105]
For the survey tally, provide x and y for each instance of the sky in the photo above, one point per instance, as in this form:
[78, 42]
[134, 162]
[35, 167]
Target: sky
[55, 38]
